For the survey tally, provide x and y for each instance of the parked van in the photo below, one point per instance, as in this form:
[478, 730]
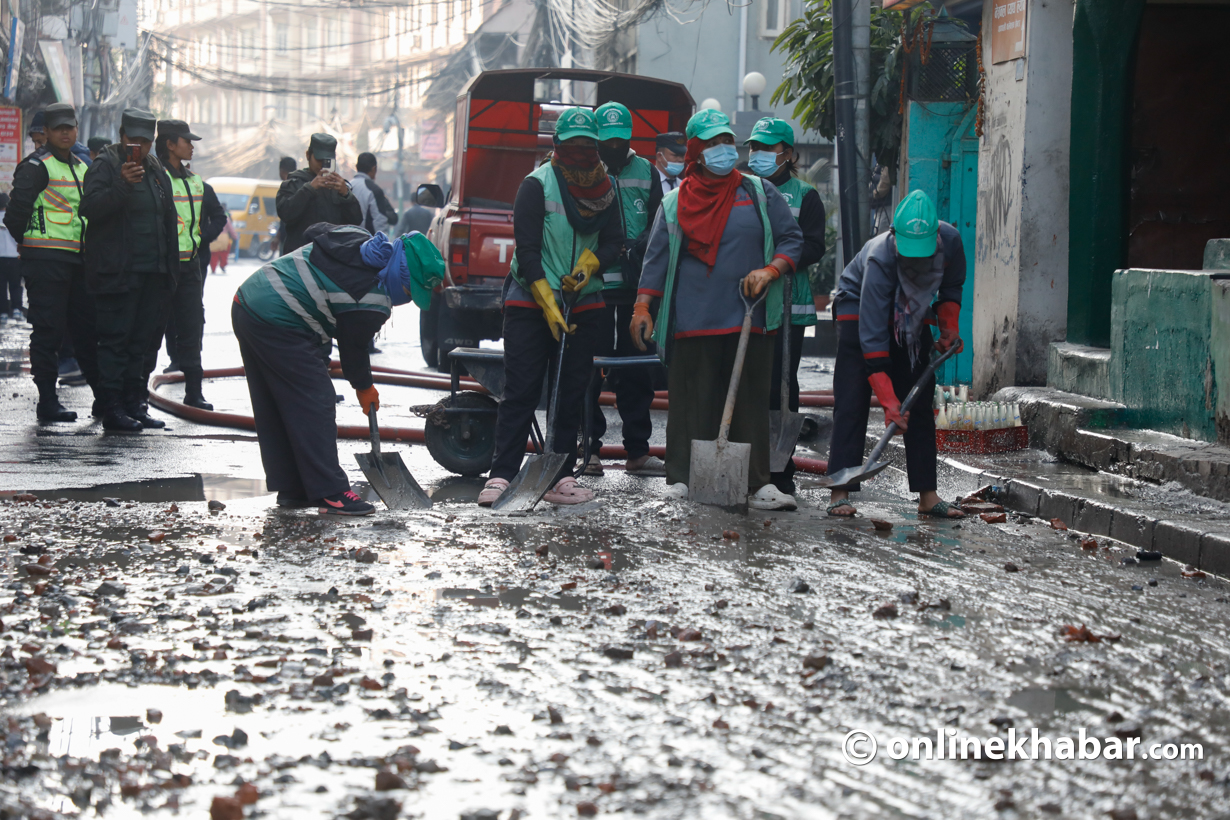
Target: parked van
[252, 204]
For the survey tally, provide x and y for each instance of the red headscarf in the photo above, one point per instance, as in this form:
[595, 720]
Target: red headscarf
[704, 205]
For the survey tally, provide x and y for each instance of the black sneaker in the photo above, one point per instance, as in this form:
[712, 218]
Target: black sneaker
[346, 503]
[293, 502]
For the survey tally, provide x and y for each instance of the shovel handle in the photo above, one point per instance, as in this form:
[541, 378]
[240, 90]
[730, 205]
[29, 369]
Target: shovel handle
[374, 429]
[728, 411]
[787, 317]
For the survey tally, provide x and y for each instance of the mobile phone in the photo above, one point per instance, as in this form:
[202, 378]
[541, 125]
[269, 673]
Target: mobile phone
[327, 164]
[134, 153]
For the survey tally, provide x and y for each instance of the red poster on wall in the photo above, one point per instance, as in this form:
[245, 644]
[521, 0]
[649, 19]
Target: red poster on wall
[1007, 30]
[10, 144]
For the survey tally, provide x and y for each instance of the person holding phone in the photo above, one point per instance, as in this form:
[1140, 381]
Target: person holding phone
[314, 194]
[131, 254]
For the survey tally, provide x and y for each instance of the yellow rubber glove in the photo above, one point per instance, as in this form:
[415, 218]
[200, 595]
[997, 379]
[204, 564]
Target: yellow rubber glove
[582, 272]
[550, 311]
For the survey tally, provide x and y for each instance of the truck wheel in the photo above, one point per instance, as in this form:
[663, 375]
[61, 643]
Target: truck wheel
[463, 443]
[429, 338]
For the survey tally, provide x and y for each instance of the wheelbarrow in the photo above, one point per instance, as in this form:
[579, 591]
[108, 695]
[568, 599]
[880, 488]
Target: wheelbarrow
[460, 429]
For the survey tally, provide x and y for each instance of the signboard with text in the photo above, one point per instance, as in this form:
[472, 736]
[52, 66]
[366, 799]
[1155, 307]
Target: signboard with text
[10, 144]
[1007, 30]
[433, 141]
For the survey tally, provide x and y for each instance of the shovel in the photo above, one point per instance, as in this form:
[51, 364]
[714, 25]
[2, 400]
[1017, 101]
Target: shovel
[388, 475]
[784, 424]
[541, 470]
[842, 479]
[718, 472]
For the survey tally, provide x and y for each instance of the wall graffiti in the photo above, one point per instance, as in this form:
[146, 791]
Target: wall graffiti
[996, 201]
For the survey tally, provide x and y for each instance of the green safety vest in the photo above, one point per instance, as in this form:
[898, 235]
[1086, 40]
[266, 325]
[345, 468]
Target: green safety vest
[632, 193]
[670, 213]
[802, 305]
[188, 194]
[292, 292]
[57, 222]
[561, 245]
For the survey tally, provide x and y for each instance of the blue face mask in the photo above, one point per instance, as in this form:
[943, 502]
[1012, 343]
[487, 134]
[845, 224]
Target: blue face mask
[721, 159]
[674, 169]
[763, 163]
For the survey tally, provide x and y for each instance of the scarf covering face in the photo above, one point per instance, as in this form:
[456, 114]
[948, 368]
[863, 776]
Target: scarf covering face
[704, 205]
[587, 191]
[914, 298]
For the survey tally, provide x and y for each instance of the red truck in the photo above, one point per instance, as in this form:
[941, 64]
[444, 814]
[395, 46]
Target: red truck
[503, 130]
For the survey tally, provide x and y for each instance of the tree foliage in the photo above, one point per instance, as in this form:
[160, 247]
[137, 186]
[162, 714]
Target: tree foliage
[808, 75]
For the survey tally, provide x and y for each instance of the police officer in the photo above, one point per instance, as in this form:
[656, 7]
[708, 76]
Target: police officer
[197, 213]
[638, 193]
[314, 194]
[44, 216]
[131, 264]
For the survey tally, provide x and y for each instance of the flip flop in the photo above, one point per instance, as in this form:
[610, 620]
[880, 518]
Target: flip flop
[837, 506]
[568, 491]
[940, 510]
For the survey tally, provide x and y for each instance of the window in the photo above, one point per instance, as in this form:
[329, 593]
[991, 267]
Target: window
[311, 38]
[331, 33]
[281, 108]
[281, 38]
[233, 202]
[247, 47]
[271, 205]
[773, 14]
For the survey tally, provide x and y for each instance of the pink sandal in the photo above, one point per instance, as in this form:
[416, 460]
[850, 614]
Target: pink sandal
[568, 491]
[492, 490]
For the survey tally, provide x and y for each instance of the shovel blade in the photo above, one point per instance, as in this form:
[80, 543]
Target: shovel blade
[784, 429]
[842, 479]
[718, 474]
[391, 480]
[537, 476]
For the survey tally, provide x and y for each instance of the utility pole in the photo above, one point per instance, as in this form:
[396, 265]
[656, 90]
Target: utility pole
[844, 95]
[861, 36]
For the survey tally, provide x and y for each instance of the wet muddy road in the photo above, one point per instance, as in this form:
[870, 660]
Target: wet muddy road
[639, 656]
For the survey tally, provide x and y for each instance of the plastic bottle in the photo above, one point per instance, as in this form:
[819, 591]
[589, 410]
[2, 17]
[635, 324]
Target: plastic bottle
[964, 393]
[1016, 415]
[941, 420]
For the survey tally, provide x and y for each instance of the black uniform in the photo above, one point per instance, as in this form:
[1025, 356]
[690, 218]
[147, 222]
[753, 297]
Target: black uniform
[131, 267]
[301, 205]
[60, 305]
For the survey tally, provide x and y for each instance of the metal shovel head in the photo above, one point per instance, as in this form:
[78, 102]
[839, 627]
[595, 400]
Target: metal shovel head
[392, 481]
[537, 476]
[854, 475]
[718, 474]
[784, 429]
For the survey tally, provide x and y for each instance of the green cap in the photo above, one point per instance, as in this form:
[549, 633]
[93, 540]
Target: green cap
[708, 123]
[771, 131]
[576, 122]
[915, 225]
[614, 122]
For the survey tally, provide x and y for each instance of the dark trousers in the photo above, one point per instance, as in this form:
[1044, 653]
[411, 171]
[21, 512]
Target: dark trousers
[700, 371]
[784, 480]
[183, 321]
[60, 308]
[10, 284]
[633, 386]
[530, 356]
[851, 402]
[127, 326]
[294, 405]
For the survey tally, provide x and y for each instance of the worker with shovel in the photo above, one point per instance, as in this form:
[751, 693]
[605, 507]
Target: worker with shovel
[900, 283]
[342, 285]
[719, 235]
[567, 234]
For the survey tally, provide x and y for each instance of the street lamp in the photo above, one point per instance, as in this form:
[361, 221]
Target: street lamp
[710, 102]
[753, 86]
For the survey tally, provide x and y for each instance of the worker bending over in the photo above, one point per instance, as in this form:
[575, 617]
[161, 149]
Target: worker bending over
[773, 158]
[902, 281]
[720, 232]
[638, 193]
[340, 286]
[567, 233]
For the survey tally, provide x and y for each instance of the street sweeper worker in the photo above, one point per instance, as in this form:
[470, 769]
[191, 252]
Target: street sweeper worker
[901, 283]
[720, 228]
[341, 286]
[567, 234]
[773, 158]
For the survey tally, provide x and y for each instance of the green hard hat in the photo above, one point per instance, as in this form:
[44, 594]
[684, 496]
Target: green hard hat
[771, 131]
[915, 225]
[708, 123]
[614, 122]
[576, 122]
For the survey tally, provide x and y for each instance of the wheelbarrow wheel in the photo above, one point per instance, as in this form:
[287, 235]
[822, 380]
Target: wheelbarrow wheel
[463, 442]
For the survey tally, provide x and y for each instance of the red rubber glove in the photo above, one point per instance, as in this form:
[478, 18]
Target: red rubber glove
[949, 314]
[883, 387]
[369, 399]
